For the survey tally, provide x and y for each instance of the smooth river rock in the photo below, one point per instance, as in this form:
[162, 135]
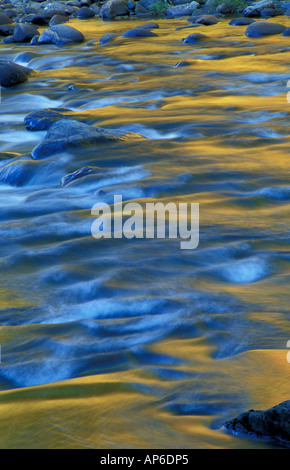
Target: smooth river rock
[114, 8]
[42, 120]
[264, 28]
[273, 423]
[61, 34]
[68, 134]
[138, 33]
[12, 74]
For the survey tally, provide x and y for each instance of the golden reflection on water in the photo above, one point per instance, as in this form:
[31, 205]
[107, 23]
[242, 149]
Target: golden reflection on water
[119, 410]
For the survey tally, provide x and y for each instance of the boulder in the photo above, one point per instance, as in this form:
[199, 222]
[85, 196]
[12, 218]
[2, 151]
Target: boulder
[24, 33]
[273, 423]
[85, 13]
[264, 28]
[42, 120]
[194, 38]
[241, 21]
[12, 74]
[138, 33]
[182, 10]
[5, 19]
[7, 30]
[61, 34]
[114, 8]
[58, 19]
[207, 20]
[69, 134]
[270, 12]
[256, 8]
[106, 38]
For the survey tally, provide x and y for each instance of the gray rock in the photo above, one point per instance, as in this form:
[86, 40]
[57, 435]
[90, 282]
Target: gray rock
[24, 33]
[68, 134]
[114, 8]
[150, 25]
[58, 19]
[256, 8]
[270, 12]
[241, 21]
[264, 28]
[138, 33]
[42, 120]
[61, 34]
[106, 38]
[85, 13]
[7, 30]
[194, 38]
[12, 74]
[182, 10]
[5, 19]
[207, 20]
[273, 423]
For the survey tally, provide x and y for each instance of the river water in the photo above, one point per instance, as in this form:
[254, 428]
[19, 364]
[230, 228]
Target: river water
[137, 343]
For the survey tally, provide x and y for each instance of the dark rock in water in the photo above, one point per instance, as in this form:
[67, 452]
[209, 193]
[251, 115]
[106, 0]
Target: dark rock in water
[263, 28]
[84, 13]
[12, 74]
[241, 21]
[270, 12]
[34, 41]
[207, 20]
[225, 8]
[138, 33]
[194, 38]
[106, 38]
[68, 134]
[7, 30]
[43, 120]
[88, 170]
[273, 423]
[150, 25]
[61, 34]
[114, 8]
[24, 33]
[286, 32]
[5, 19]
[58, 19]
[17, 173]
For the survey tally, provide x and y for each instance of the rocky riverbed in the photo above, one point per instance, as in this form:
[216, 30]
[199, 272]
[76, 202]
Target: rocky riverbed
[182, 102]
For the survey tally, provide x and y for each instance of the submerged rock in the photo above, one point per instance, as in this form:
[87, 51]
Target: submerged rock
[241, 21]
[76, 175]
[273, 423]
[58, 19]
[138, 33]
[12, 74]
[61, 34]
[263, 28]
[42, 120]
[106, 38]
[194, 38]
[66, 134]
[207, 20]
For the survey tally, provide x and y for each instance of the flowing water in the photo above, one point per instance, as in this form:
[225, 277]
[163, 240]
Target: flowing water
[137, 343]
